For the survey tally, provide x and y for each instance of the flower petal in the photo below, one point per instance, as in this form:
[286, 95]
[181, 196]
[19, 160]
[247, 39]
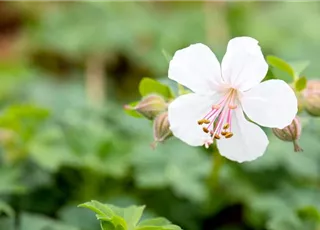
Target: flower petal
[197, 68]
[271, 104]
[184, 113]
[243, 65]
[248, 142]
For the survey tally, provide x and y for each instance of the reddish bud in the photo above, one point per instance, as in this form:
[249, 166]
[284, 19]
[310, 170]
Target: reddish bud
[312, 97]
[161, 128]
[151, 106]
[290, 133]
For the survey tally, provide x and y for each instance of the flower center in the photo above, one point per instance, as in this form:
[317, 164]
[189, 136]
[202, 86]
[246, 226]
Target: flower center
[218, 121]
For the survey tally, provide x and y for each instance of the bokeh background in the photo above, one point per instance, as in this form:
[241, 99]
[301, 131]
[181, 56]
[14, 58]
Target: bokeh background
[67, 69]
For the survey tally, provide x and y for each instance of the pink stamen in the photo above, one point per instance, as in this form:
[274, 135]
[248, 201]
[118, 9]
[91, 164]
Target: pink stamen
[219, 118]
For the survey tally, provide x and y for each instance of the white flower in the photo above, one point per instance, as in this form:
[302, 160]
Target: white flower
[222, 94]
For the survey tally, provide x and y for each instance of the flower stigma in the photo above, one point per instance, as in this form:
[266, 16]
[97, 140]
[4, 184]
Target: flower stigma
[218, 120]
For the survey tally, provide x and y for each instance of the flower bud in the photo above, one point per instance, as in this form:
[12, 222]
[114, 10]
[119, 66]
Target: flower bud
[312, 97]
[290, 133]
[161, 129]
[151, 106]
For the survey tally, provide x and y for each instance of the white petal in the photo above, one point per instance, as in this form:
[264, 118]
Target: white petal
[248, 142]
[184, 113]
[243, 65]
[197, 68]
[271, 103]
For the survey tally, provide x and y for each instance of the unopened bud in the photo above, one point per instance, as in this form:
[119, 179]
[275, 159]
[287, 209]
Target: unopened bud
[161, 129]
[290, 133]
[312, 97]
[151, 106]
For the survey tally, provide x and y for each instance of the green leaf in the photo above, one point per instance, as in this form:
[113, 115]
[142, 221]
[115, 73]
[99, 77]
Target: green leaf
[281, 64]
[40, 222]
[131, 214]
[130, 109]
[148, 86]
[107, 226]
[98, 208]
[116, 218]
[7, 223]
[5, 208]
[159, 223]
[182, 90]
[301, 84]
[309, 212]
[166, 167]
[9, 181]
[81, 218]
[166, 55]
[120, 218]
[299, 66]
[155, 222]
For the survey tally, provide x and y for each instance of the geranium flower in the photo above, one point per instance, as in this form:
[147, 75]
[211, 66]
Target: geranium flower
[222, 94]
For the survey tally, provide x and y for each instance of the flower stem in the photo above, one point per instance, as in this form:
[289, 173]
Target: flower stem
[217, 162]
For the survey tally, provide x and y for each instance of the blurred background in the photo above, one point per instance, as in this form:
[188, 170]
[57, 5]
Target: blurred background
[67, 69]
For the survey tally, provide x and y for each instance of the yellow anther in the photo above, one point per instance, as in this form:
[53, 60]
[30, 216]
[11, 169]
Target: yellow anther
[205, 130]
[206, 121]
[223, 133]
[216, 136]
[216, 107]
[226, 126]
[203, 121]
[228, 135]
[232, 106]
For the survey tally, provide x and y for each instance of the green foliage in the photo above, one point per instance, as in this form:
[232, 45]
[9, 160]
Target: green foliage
[57, 150]
[301, 84]
[39, 222]
[5, 208]
[148, 86]
[184, 170]
[281, 65]
[112, 217]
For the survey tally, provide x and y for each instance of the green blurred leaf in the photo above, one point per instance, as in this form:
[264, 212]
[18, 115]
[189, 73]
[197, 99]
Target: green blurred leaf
[40, 222]
[130, 109]
[5, 208]
[299, 66]
[166, 166]
[7, 223]
[280, 64]
[149, 86]
[9, 181]
[309, 212]
[301, 84]
[81, 218]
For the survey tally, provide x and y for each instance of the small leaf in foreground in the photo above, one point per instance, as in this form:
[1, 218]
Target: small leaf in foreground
[280, 64]
[116, 218]
[301, 84]
[149, 86]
